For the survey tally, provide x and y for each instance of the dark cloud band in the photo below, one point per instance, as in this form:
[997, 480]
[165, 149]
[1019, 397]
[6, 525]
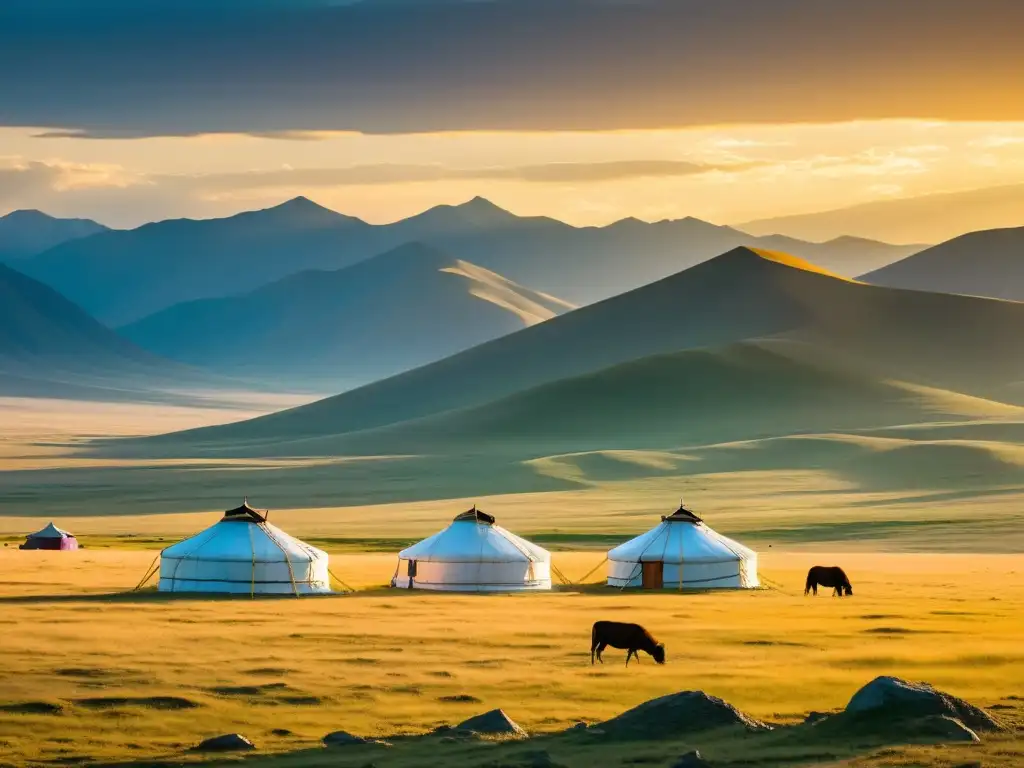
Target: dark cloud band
[113, 68]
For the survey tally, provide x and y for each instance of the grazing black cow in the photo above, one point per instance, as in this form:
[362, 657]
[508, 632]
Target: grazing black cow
[632, 637]
[828, 576]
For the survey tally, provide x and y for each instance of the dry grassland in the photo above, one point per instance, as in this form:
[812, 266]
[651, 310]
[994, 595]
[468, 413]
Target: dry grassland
[140, 676]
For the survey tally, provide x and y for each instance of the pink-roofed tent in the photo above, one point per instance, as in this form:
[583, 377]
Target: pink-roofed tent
[51, 537]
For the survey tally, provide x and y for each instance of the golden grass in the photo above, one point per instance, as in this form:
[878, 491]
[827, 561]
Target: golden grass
[381, 661]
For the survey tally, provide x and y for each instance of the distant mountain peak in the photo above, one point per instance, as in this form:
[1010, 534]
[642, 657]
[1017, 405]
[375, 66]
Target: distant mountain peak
[27, 215]
[303, 210]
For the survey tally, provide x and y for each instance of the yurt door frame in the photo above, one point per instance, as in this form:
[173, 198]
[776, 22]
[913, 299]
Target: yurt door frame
[653, 574]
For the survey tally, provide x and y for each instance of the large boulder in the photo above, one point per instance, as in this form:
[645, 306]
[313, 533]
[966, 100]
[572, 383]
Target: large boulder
[493, 723]
[678, 713]
[229, 742]
[893, 699]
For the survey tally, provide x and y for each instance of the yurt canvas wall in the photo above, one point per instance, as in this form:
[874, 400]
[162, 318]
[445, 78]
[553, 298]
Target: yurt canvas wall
[682, 553]
[473, 554]
[244, 554]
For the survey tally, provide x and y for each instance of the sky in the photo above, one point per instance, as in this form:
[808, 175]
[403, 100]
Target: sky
[586, 110]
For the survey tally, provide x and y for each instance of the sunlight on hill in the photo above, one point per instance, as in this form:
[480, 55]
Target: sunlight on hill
[797, 263]
[531, 307]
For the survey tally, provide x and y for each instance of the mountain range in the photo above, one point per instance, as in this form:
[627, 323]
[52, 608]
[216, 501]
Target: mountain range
[742, 296]
[123, 276]
[26, 233]
[402, 309]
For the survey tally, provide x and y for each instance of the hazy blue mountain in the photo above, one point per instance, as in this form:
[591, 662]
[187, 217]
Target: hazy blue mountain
[51, 347]
[988, 263]
[124, 276]
[930, 218]
[404, 308]
[964, 343]
[26, 233]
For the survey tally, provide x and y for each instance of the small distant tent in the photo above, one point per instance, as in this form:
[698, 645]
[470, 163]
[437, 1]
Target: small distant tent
[50, 537]
[244, 554]
[682, 552]
[473, 554]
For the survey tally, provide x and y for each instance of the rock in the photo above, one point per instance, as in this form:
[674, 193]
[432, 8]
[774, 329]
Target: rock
[691, 760]
[229, 742]
[495, 722]
[943, 729]
[342, 739]
[281, 732]
[539, 759]
[577, 727]
[816, 717]
[894, 699]
[678, 713]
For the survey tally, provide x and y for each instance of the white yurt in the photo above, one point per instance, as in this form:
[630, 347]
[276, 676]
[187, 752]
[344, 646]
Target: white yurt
[681, 552]
[244, 554]
[474, 555]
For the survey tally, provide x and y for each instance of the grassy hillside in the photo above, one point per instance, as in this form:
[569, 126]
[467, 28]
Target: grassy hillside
[950, 342]
[399, 310]
[988, 263]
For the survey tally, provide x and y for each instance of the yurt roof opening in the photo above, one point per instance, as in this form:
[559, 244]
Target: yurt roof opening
[682, 552]
[474, 554]
[244, 554]
[51, 537]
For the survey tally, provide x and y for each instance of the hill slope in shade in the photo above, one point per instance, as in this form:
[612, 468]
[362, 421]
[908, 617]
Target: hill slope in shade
[124, 276]
[958, 342]
[989, 263]
[28, 232]
[924, 219]
[50, 347]
[396, 311]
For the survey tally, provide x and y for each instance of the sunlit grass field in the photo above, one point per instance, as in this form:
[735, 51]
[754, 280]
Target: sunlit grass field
[140, 676]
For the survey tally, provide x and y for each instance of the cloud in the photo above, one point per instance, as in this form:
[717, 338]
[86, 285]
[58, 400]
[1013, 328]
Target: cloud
[361, 175]
[113, 68]
[26, 180]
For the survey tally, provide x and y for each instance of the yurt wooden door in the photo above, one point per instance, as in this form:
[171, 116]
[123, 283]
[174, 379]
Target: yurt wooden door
[653, 574]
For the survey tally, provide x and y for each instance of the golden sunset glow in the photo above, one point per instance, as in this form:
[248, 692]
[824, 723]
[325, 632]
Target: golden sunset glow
[724, 174]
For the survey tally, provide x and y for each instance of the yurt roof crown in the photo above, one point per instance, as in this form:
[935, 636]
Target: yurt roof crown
[474, 515]
[246, 514]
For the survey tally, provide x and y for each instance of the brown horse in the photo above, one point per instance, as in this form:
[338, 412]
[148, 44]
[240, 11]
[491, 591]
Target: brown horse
[828, 576]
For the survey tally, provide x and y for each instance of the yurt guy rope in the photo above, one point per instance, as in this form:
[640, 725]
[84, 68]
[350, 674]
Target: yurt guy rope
[593, 570]
[150, 572]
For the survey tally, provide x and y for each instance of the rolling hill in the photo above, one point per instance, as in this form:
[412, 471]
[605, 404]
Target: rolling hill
[988, 263]
[962, 343]
[28, 232]
[924, 219]
[405, 308]
[735, 392]
[121, 277]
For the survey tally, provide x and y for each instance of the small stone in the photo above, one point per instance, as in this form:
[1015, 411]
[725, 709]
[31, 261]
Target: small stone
[495, 722]
[342, 739]
[281, 732]
[691, 760]
[815, 717]
[229, 742]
